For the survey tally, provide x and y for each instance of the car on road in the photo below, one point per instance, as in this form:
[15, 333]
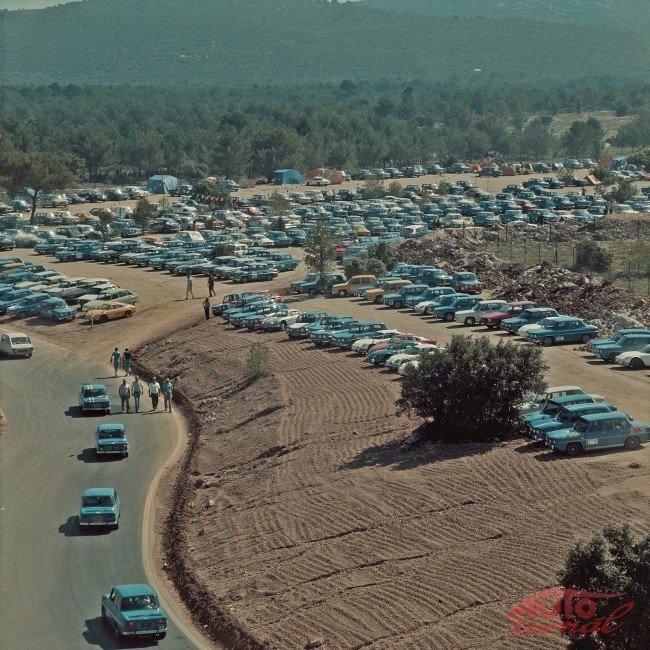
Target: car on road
[111, 439]
[599, 431]
[563, 329]
[94, 398]
[16, 344]
[111, 311]
[56, 309]
[99, 507]
[134, 611]
[637, 359]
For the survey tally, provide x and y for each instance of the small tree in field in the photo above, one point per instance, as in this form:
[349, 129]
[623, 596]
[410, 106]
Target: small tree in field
[144, 213]
[591, 257]
[395, 189]
[373, 188]
[613, 562]
[279, 205]
[258, 364]
[320, 248]
[470, 390]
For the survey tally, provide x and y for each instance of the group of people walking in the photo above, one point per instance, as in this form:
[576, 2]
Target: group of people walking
[136, 388]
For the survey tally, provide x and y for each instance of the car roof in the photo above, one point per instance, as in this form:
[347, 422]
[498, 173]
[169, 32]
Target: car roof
[603, 416]
[99, 492]
[14, 334]
[110, 426]
[563, 319]
[569, 398]
[93, 387]
[578, 407]
[134, 590]
[553, 389]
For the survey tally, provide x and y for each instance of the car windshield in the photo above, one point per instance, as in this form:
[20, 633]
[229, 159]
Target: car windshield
[132, 603]
[548, 324]
[551, 408]
[20, 340]
[111, 433]
[98, 501]
[581, 426]
[94, 392]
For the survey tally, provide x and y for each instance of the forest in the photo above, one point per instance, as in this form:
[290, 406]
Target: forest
[203, 42]
[126, 132]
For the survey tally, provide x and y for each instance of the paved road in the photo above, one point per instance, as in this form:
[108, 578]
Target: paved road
[52, 577]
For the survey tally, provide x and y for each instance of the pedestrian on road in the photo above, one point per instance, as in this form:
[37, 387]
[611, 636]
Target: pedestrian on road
[188, 291]
[167, 390]
[206, 308]
[137, 389]
[154, 393]
[115, 359]
[128, 359]
[125, 396]
[211, 285]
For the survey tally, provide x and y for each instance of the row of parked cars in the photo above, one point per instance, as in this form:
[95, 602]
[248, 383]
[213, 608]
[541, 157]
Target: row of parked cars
[566, 419]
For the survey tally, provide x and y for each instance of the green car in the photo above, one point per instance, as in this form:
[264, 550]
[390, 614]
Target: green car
[562, 329]
[599, 431]
[100, 507]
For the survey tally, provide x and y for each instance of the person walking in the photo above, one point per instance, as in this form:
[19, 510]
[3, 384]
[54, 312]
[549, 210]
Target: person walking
[136, 390]
[211, 285]
[125, 396]
[206, 308]
[188, 290]
[167, 390]
[128, 359]
[115, 359]
[154, 393]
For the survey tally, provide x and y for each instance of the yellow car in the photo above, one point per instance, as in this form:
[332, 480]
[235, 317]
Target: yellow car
[376, 294]
[110, 311]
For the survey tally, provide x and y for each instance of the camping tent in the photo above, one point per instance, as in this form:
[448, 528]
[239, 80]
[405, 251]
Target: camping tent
[162, 184]
[508, 170]
[288, 177]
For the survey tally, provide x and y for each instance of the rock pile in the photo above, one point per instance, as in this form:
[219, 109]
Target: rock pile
[574, 294]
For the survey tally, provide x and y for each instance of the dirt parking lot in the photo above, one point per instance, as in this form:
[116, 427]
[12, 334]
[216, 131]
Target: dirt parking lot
[308, 521]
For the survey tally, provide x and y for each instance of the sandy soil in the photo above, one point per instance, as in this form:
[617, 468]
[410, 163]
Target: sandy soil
[306, 520]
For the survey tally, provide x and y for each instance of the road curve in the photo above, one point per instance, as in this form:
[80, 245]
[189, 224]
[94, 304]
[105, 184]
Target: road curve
[52, 577]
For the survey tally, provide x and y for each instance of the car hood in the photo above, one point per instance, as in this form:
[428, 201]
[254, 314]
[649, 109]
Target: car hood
[495, 314]
[143, 614]
[564, 434]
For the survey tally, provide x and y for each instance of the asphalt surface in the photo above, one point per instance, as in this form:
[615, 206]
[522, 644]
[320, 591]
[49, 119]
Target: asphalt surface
[51, 576]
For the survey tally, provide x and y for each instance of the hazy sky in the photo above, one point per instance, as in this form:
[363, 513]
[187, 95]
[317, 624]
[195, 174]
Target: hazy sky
[29, 4]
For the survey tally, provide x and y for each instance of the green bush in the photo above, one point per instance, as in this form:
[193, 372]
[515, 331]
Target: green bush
[258, 364]
[591, 257]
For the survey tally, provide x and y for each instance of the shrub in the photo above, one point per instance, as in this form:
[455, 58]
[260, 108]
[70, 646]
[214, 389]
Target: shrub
[591, 257]
[613, 562]
[258, 364]
[470, 390]
[376, 267]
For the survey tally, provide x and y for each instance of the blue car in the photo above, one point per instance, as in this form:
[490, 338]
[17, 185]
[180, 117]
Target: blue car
[552, 408]
[26, 307]
[563, 329]
[56, 309]
[134, 611]
[566, 418]
[94, 398]
[594, 343]
[527, 317]
[100, 507]
[626, 343]
[111, 439]
[324, 336]
[13, 298]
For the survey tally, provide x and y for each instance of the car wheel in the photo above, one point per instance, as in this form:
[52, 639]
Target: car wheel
[632, 443]
[107, 411]
[104, 619]
[586, 338]
[126, 455]
[574, 448]
[470, 321]
[637, 364]
[612, 357]
[127, 314]
[22, 314]
[161, 636]
[342, 293]
[490, 326]
[29, 354]
[448, 318]
[378, 299]
[548, 341]
[429, 311]
[116, 631]
[398, 304]
[283, 326]
[103, 318]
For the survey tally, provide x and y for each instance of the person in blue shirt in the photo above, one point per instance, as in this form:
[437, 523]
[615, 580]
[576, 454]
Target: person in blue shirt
[115, 358]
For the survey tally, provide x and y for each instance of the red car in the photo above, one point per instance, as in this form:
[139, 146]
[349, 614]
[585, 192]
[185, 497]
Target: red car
[494, 318]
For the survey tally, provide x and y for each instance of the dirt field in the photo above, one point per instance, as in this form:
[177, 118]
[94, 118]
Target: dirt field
[308, 521]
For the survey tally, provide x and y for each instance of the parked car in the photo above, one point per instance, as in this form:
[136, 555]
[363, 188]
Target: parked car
[100, 507]
[637, 359]
[529, 316]
[134, 611]
[324, 336]
[609, 351]
[111, 439]
[94, 398]
[474, 314]
[111, 311]
[16, 344]
[110, 295]
[599, 431]
[281, 321]
[537, 402]
[358, 331]
[299, 329]
[318, 181]
[515, 309]
[553, 406]
[376, 294]
[563, 329]
[56, 309]
[566, 418]
[26, 307]
[13, 298]
[594, 344]
[466, 282]
[398, 300]
[347, 288]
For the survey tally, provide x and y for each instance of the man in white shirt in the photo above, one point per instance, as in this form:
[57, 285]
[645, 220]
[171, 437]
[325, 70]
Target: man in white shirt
[154, 393]
[125, 395]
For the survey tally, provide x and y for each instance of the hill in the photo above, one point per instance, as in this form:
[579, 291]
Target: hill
[180, 42]
[625, 14]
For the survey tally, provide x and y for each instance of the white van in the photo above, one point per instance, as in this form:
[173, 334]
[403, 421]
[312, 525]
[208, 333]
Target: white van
[190, 235]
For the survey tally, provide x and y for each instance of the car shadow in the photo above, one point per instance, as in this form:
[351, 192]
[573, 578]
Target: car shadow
[98, 633]
[71, 527]
[89, 455]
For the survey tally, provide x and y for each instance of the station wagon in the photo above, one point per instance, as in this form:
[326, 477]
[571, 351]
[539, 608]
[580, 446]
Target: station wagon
[553, 406]
[358, 331]
[566, 418]
[607, 351]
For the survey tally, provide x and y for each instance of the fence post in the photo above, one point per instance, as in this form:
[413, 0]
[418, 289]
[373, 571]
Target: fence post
[556, 252]
[525, 247]
[539, 252]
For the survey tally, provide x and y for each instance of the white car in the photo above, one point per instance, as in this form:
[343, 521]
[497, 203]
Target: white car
[409, 363]
[397, 360]
[281, 321]
[636, 359]
[472, 316]
[539, 325]
[318, 181]
[56, 290]
[260, 240]
[421, 307]
[93, 292]
[121, 295]
[16, 344]
[363, 345]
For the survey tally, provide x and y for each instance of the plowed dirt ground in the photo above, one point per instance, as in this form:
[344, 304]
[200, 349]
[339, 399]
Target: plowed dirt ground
[309, 521]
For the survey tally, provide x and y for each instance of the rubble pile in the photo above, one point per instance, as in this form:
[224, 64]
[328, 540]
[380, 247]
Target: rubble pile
[599, 301]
